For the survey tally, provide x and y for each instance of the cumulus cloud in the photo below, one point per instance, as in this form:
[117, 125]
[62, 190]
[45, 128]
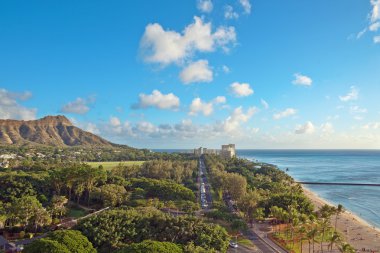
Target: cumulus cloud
[307, 128]
[286, 113]
[357, 109]
[241, 89]
[10, 108]
[165, 46]
[375, 14]
[374, 27]
[115, 121]
[229, 12]
[220, 100]
[205, 5]
[246, 6]
[206, 108]
[92, 128]
[197, 72]
[145, 127]
[374, 24]
[302, 80]
[327, 128]
[199, 106]
[264, 104]
[237, 117]
[78, 106]
[184, 130]
[353, 94]
[158, 100]
[372, 125]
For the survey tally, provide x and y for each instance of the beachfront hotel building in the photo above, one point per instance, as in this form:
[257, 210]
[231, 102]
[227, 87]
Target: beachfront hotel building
[200, 151]
[227, 151]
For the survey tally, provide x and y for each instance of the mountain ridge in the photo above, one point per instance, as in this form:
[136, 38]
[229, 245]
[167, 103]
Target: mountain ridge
[50, 130]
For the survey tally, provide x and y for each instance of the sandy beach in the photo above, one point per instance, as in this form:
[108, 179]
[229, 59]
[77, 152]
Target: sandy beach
[356, 231]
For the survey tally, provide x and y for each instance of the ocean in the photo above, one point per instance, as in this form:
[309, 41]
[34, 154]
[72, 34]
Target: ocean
[351, 166]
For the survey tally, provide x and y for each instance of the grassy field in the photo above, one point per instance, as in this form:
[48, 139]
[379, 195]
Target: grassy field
[111, 165]
[76, 212]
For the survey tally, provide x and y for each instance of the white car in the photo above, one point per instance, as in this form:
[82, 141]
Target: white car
[233, 244]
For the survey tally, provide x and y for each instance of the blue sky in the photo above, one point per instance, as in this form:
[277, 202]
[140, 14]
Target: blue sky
[159, 74]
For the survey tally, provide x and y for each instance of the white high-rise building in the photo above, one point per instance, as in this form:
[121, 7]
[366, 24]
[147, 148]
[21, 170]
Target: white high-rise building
[228, 151]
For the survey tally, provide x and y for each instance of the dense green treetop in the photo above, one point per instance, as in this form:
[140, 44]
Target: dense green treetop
[149, 246]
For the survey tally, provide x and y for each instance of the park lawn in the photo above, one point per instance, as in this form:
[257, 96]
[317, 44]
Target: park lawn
[246, 242]
[111, 165]
[76, 213]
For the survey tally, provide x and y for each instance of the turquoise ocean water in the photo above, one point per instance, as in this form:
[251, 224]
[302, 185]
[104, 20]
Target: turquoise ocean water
[354, 166]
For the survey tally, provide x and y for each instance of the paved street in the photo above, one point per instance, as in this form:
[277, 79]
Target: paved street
[204, 180]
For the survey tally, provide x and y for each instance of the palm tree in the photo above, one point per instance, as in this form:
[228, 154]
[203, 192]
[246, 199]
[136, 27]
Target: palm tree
[302, 230]
[338, 211]
[325, 213]
[324, 225]
[334, 239]
[274, 214]
[346, 248]
[311, 236]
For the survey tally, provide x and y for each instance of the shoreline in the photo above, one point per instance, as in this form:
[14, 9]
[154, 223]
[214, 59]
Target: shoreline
[356, 231]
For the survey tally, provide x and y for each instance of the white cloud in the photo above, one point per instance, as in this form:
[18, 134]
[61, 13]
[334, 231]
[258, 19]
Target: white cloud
[78, 106]
[241, 89]
[353, 94]
[302, 80]
[115, 121]
[114, 125]
[356, 109]
[145, 127]
[237, 117]
[92, 128]
[327, 128]
[307, 128]
[286, 113]
[264, 104]
[375, 15]
[229, 12]
[166, 46]
[11, 109]
[246, 6]
[199, 106]
[374, 27]
[197, 72]
[220, 100]
[158, 100]
[361, 33]
[372, 125]
[205, 5]
[205, 108]
[226, 69]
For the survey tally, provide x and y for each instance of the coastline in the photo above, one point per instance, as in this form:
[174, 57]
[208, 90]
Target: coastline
[356, 231]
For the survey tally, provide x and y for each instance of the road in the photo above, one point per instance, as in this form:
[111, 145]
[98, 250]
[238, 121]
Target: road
[264, 245]
[242, 249]
[203, 179]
